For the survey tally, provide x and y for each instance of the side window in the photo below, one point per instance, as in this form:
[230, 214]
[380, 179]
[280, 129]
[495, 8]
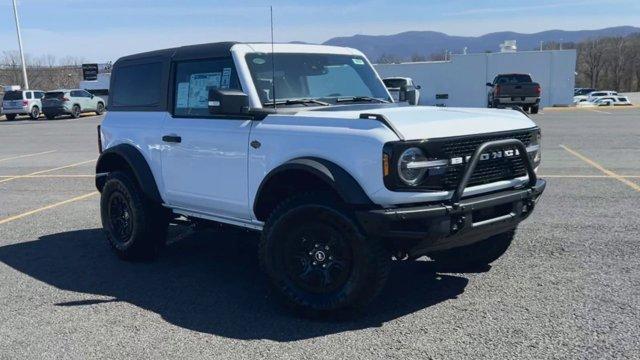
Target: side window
[86, 94]
[74, 93]
[194, 79]
[39, 95]
[29, 94]
[137, 85]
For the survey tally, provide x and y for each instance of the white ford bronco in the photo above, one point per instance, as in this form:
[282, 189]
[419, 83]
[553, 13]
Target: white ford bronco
[305, 145]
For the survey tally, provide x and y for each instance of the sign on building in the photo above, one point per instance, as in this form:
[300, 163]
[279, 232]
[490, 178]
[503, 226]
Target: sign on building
[90, 72]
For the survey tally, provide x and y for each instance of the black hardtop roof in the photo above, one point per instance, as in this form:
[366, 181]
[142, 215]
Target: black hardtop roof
[199, 51]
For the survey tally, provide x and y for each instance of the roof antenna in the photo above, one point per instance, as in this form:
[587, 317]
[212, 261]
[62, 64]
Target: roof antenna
[273, 63]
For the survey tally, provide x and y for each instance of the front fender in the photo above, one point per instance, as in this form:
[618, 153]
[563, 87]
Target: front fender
[330, 173]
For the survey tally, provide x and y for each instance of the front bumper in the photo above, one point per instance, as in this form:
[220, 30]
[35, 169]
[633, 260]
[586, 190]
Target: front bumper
[420, 229]
[456, 222]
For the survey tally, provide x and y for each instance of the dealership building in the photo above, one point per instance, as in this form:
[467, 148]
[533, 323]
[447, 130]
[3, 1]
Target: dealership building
[461, 81]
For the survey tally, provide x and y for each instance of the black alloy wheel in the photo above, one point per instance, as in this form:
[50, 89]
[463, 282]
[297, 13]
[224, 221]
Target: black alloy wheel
[317, 258]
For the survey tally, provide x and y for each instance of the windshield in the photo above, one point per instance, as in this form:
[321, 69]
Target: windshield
[13, 95]
[323, 77]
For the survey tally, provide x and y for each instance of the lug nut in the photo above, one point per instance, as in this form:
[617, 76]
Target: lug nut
[315, 263]
[326, 247]
[330, 257]
[324, 266]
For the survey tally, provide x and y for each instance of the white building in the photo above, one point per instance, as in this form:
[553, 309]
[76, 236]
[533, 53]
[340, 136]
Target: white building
[98, 82]
[461, 81]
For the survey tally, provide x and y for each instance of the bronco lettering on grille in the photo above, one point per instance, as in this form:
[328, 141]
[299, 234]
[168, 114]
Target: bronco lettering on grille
[486, 156]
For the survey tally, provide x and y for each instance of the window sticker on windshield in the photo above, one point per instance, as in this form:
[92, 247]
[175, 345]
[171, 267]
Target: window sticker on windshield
[259, 61]
[182, 97]
[226, 78]
[199, 85]
[358, 61]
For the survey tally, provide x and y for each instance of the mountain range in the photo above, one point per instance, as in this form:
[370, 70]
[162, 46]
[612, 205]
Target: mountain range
[426, 43]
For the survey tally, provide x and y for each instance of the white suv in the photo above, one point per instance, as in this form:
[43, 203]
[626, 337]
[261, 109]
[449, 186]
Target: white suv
[71, 102]
[22, 102]
[306, 146]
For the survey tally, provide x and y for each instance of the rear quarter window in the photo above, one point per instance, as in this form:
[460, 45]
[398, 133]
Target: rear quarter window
[137, 85]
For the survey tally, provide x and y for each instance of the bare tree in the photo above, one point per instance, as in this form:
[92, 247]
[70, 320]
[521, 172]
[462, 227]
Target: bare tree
[593, 58]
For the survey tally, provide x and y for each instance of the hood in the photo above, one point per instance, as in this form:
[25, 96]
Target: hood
[424, 122]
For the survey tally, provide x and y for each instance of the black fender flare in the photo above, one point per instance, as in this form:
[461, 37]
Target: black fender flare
[332, 174]
[134, 161]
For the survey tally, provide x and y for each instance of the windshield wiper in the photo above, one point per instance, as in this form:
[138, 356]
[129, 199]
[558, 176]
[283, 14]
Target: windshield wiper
[304, 102]
[360, 98]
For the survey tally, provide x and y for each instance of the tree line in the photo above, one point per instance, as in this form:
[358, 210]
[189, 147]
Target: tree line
[611, 63]
[44, 73]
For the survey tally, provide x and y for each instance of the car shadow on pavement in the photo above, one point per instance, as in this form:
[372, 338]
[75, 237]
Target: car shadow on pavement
[210, 282]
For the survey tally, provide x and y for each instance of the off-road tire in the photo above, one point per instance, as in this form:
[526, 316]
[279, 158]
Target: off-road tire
[75, 111]
[534, 109]
[148, 221]
[35, 113]
[10, 117]
[99, 108]
[49, 116]
[368, 266]
[476, 255]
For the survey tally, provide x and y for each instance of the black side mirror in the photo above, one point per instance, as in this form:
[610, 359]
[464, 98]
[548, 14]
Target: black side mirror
[409, 94]
[228, 102]
[418, 87]
[489, 84]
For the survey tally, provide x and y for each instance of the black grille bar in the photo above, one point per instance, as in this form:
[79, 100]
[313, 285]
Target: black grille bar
[475, 158]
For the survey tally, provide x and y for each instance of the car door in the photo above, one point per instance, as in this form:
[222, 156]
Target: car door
[39, 95]
[90, 102]
[204, 157]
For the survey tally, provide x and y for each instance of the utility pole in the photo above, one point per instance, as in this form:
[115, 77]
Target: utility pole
[24, 65]
[541, 45]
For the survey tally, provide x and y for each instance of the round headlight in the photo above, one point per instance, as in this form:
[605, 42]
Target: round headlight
[411, 175]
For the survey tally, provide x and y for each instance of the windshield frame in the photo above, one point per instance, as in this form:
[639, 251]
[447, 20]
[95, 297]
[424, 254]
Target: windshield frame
[333, 100]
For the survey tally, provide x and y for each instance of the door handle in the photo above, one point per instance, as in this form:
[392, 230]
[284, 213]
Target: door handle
[172, 138]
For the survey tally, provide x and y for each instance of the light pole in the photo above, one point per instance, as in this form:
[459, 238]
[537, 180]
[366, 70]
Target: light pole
[24, 65]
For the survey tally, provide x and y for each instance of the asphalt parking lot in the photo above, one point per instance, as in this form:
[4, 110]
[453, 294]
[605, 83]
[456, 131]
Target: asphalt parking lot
[568, 288]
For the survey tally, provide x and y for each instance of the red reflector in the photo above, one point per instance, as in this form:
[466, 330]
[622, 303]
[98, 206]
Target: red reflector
[64, 99]
[25, 103]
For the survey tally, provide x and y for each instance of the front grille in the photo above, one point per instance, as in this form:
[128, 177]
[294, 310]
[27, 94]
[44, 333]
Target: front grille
[487, 171]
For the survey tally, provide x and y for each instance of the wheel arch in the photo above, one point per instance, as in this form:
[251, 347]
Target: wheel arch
[306, 174]
[126, 157]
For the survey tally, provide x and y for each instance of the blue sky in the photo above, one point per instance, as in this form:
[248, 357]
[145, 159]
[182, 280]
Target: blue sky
[101, 30]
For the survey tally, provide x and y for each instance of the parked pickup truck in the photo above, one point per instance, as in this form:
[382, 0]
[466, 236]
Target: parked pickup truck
[306, 147]
[514, 90]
